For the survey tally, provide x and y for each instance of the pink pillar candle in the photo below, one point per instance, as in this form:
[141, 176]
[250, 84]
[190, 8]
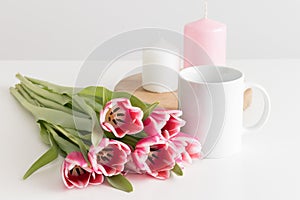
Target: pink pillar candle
[204, 43]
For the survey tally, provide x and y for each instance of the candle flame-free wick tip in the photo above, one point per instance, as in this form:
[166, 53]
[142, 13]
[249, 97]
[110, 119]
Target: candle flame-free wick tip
[205, 9]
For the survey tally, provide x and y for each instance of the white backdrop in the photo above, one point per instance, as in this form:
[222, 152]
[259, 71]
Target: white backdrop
[71, 29]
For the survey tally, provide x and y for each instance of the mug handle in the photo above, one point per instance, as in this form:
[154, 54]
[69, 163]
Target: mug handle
[267, 107]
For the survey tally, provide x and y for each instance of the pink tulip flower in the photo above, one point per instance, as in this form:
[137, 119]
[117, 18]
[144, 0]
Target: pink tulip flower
[166, 124]
[77, 173]
[120, 118]
[161, 120]
[186, 146]
[151, 156]
[109, 157]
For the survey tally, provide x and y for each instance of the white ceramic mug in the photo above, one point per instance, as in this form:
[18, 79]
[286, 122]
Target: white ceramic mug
[211, 98]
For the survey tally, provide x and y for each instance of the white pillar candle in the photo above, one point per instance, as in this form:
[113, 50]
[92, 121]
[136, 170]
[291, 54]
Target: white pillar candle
[160, 68]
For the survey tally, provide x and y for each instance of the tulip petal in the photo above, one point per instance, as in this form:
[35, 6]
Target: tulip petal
[155, 122]
[131, 167]
[121, 118]
[67, 183]
[161, 174]
[81, 181]
[75, 171]
[174, 123]
[96, 179]
[162, 120]
[109, 157]
[190, 147]
[151, 155]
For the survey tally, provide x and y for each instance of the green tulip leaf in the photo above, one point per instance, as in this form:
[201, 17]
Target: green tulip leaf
[52, 116]
[58, 98]
[81, 135]
[177, 170]
[53, 105]
[93, 103]
[101, 94]
[149, 110]
[46, 158]
[120, 182]
[64, 144]
[20, 88]
[82, 146]
[44, 133]
[52, 87]
[105, 95]
[97, 132]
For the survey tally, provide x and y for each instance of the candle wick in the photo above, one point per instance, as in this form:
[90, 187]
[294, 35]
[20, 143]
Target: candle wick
[205, 9]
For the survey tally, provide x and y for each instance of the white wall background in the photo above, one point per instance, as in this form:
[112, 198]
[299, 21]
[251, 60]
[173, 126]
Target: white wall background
[71, 29]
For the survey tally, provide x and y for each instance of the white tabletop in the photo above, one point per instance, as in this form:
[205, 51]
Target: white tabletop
[267, 168]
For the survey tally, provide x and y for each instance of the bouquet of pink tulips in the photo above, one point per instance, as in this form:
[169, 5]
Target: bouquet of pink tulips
[104, 135]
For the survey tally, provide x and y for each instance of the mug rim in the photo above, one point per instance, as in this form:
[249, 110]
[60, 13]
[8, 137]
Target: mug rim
[239, 76]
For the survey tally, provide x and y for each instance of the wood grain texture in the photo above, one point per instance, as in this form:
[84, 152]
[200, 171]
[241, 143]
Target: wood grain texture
[247, 98]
